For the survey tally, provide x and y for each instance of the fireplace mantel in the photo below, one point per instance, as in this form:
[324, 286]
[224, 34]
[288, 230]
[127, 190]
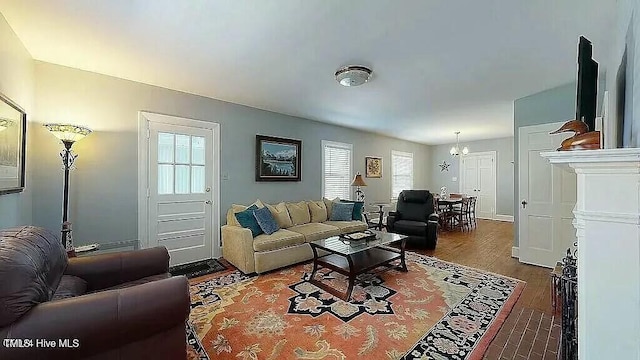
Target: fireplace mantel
[607, 222]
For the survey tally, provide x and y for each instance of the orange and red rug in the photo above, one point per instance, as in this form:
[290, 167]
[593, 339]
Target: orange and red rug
[437, 310]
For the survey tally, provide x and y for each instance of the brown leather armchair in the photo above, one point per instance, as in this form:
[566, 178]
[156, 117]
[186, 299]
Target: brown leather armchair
[113, 306]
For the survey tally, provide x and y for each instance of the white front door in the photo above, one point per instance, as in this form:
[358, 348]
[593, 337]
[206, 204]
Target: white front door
[547, 196]
[478, 178]
[181, 191]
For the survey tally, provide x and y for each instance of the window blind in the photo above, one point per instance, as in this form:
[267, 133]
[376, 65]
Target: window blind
[401, 172]
[336, 180]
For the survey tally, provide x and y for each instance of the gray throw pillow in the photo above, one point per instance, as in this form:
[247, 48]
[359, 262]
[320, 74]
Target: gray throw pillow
[342, 212]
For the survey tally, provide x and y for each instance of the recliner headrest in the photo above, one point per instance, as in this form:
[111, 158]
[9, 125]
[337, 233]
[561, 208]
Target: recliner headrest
[415, 196]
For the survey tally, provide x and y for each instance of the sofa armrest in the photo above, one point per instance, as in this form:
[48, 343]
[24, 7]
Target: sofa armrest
[103, 271]
[391, 218]
[101, 321]
[434, 218]
[237, 248]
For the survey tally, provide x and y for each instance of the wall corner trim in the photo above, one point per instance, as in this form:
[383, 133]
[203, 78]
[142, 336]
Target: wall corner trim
[515, 252]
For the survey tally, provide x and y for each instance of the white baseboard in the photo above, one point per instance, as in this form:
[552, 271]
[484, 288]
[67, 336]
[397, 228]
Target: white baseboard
[508, 218]
[515, 252]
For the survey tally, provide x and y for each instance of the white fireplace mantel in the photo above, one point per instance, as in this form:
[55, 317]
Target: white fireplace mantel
[607, 222]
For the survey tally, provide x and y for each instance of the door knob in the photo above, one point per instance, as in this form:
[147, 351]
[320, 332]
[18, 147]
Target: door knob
[208, 189]
[208, 202]
[524, 204]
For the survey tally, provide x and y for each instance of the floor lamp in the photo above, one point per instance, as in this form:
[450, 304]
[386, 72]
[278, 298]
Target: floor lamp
[69, 134]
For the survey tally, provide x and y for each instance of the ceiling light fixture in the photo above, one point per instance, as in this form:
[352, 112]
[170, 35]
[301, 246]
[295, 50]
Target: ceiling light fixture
[456, 149]
[353, 75]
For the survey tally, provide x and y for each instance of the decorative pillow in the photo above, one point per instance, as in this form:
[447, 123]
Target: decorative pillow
[281, 214]
[357, 209]
[266, 221]
[235, 208]
[318, 211]
[329, 205]
[299, 212]
[247, 220]
[342, 212]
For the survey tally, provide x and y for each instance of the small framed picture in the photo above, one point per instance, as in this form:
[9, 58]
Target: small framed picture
[373, 166]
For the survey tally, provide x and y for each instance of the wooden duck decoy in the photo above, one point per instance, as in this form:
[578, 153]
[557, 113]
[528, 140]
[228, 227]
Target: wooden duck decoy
[583, 138]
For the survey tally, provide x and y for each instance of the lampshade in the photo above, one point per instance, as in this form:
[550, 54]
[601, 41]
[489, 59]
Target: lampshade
[358, 181]
[5, 123]
[67, 132]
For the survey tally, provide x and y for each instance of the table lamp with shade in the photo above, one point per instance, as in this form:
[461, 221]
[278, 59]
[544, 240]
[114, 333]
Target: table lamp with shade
[68, 134]
[358, 182]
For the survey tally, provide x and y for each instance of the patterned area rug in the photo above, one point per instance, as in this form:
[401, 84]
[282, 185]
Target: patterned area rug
[438, 310]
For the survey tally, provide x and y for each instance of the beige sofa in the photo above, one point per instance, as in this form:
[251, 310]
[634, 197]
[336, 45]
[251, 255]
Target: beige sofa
[299, 223]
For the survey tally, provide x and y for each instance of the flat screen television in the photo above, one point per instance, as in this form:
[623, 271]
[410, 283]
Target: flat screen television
[587, 84]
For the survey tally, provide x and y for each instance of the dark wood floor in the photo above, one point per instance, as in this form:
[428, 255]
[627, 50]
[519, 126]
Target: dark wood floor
[488, 247]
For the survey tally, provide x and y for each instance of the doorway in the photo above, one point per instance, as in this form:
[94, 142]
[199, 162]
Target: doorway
[178, 186]
[478, 178]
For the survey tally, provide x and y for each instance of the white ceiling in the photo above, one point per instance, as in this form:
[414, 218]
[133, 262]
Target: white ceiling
[439, 65]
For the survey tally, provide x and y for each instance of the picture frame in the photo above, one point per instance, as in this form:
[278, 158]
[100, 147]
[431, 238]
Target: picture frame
[278, 159]
[13, 140]
[373, 166]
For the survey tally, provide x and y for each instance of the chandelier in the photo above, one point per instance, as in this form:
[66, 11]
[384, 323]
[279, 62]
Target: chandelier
[455, 151]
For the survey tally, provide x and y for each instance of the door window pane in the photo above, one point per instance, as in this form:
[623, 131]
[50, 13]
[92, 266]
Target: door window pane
[182, 149]
[165, 179]
[165, 148]
[197, 150]
[182, 179]
[197, 179]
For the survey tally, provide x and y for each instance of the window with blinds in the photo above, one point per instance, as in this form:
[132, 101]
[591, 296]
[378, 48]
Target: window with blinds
[336, 169]
[401, 172]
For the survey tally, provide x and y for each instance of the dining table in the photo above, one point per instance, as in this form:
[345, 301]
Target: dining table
[447, 203]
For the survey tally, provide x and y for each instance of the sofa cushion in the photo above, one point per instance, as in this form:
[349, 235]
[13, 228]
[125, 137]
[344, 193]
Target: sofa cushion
[348, 226]
[281, 214]
[266, 221]
[357, 209]
[279, 239]
[299, 212]
[70, 286]
[318, 211]
[315, 231]
[33, 262]
[342, 212]
[235, 208]
[329, 205]
[248, 220]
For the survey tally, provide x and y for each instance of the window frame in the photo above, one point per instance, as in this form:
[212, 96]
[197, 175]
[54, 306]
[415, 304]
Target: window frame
[406, 155]
[336, 144]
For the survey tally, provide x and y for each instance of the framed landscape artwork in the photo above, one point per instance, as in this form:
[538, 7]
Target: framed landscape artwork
[278, 159]
[13, 125]
[373, 166]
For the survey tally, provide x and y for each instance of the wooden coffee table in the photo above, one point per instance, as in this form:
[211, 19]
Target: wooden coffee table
[352, 258]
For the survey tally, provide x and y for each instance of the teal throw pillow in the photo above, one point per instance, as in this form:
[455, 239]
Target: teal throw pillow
[342, 212]
[266, 220]
[358, 206]
[247, 220]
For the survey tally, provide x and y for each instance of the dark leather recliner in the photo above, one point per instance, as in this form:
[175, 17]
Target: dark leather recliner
[112, 306]
[415, 217]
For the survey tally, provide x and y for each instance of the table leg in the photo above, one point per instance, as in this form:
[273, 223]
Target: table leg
[381, 213]
[403, 263]
[352, 279]
[315, 262]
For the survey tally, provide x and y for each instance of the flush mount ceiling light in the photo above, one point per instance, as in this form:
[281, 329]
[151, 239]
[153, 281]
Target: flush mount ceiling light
[353, 75]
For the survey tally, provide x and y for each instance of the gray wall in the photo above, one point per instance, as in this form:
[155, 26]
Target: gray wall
[103, 204]
[549, 106]
[504, 169]
[16, 83]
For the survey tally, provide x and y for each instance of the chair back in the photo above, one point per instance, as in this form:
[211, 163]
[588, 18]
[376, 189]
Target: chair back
[415, 205]
[32, 263]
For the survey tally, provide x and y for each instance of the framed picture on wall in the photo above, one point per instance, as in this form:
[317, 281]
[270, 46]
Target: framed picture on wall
[278, 159]
[373, 166]
[13, 133]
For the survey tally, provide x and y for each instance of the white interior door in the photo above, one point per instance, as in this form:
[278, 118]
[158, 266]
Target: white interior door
[547, 195]
[181, 191]
[478, 178]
